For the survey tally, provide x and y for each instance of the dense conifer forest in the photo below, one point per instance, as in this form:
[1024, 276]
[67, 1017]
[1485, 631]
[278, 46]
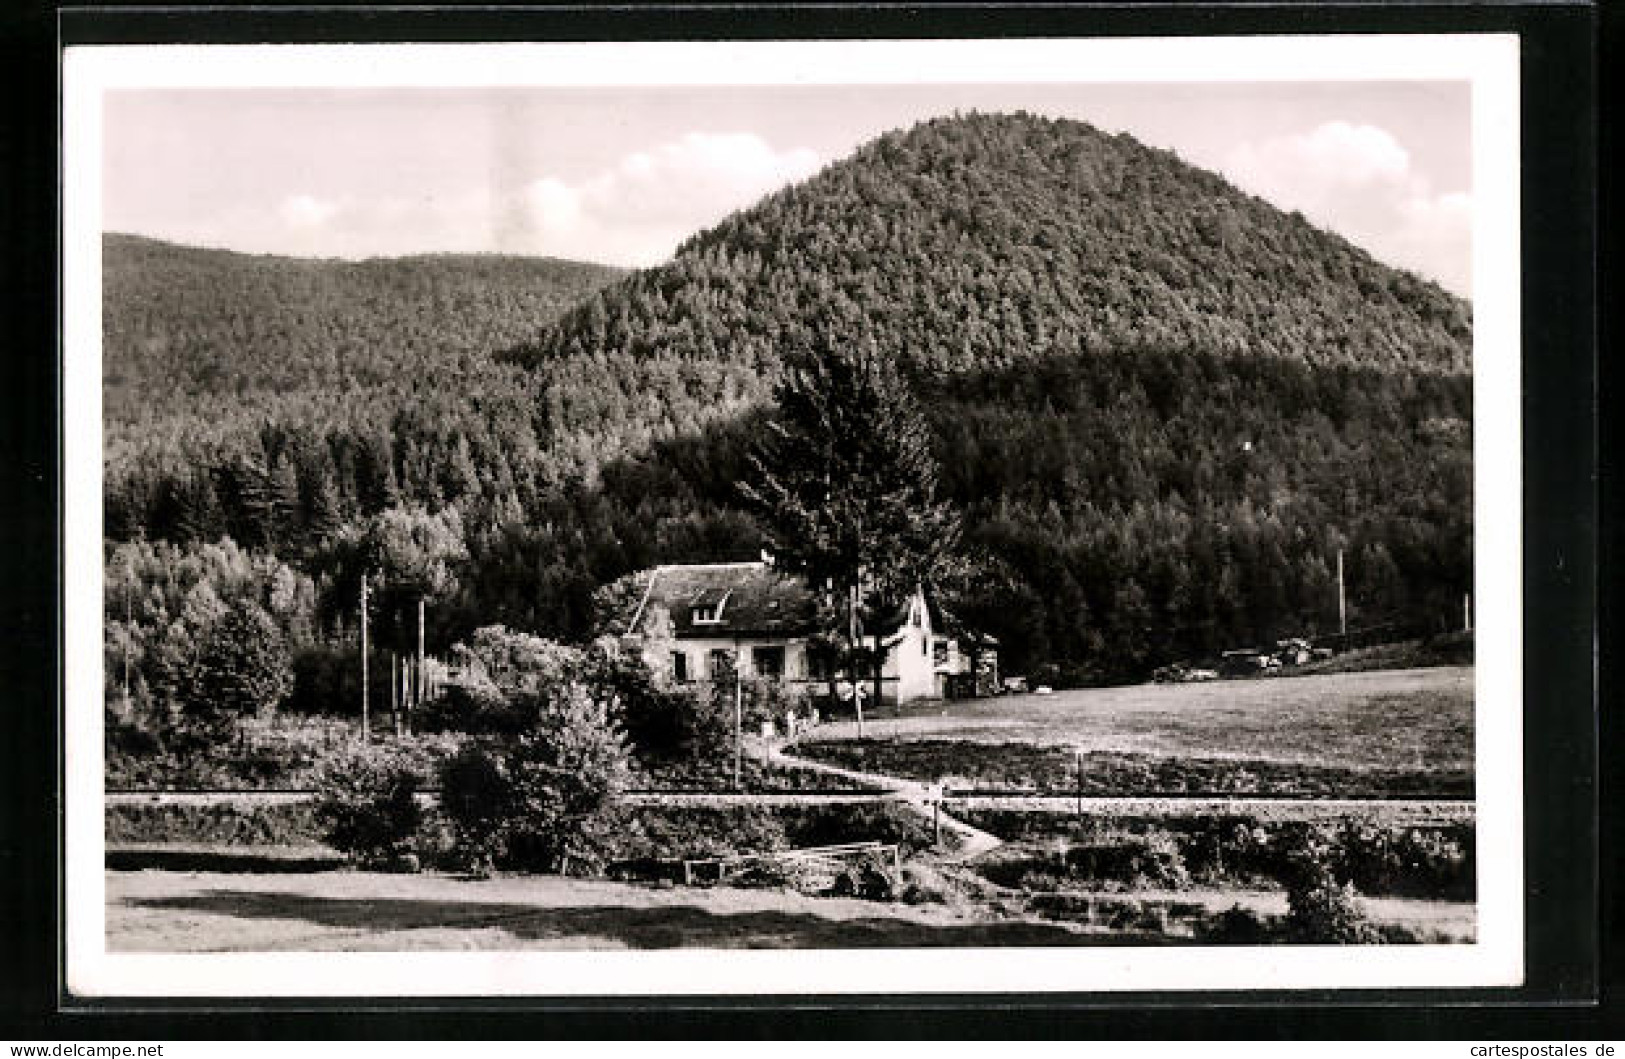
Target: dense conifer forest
[1160, 405]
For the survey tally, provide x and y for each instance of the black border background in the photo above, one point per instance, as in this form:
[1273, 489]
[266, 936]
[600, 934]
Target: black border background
[1572, 979]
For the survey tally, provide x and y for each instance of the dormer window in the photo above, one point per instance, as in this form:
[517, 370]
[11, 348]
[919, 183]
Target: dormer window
[706, 608]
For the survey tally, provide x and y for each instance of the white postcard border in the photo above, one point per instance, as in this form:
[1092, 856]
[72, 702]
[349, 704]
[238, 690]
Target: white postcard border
[1489, 62]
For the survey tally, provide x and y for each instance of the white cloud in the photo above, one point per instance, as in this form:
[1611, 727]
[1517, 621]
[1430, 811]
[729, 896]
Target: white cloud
[634, 212]
[1358, 180]
[637, 211]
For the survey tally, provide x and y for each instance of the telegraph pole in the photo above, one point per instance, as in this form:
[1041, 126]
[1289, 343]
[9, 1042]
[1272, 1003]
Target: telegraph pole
[739, 726]
[1342, 604]
[129, 586]
[417, 682]
[852, 655]
[365, 719]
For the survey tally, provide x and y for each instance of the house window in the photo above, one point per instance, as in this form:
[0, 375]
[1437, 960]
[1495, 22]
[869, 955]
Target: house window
[679, 666]
[940, 653]
[768, 662]
[722, 663]
[706, 615]
[820, 663]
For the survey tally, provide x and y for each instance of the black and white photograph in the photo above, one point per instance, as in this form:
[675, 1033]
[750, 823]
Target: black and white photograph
[783, 517]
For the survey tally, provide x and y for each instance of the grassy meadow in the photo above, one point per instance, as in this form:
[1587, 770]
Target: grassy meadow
[1366, 734]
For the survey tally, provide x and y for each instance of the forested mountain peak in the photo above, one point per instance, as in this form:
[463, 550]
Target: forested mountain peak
[979, 241]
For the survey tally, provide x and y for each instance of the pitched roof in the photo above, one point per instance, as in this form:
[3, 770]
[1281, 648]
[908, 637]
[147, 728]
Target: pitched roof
[755, 598]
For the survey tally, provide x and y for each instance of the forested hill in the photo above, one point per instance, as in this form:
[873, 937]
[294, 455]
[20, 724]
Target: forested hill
[1161, 404]
[193, 336]
[981, 241]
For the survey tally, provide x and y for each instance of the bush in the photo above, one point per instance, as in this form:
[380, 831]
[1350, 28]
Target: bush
[477, 797]
[1136, 861]
[695, 832]
[1411, 861]
[1237, 926]
[546, 800]
[366, 802]
[221, 823]
[829, 825]
[1322, 911]
[509, 678]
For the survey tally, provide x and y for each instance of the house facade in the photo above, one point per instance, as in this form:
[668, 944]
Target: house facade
[699, 622]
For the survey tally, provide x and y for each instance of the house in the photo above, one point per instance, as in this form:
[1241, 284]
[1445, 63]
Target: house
[695, 623]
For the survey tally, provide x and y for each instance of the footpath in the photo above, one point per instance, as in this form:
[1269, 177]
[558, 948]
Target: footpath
[924, 798]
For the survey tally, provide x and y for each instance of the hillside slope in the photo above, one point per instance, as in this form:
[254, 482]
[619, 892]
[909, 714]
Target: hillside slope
[195, 336]
[984, 241]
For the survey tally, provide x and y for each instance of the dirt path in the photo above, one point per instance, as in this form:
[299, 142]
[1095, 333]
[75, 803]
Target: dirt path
[926, 799]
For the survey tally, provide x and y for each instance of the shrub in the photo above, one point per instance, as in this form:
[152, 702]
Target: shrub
[546, 800]
[366, 802]
[1322, 911]
[220, 823]
[1141, 861]
[1408, 861]
[509, 678]
[477, 797]
[828, 825]
[1237, 926]
[694, 832]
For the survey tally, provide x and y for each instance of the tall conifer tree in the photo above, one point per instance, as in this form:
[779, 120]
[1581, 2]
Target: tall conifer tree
[845, 482]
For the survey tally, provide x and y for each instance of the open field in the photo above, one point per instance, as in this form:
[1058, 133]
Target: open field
[161, 911]
[1415, 721]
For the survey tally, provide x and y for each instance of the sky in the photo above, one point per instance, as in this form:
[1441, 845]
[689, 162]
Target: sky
[622, 175]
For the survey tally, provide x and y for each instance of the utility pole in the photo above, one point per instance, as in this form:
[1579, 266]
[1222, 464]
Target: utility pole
[365, 719]
[1342, 604]
[739, 726]
[129, 586]
[852, 653]
[1077, 760]
[417, 681]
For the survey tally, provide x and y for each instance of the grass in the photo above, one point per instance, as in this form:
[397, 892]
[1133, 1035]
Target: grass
[1026, 767]
[1309, 733]
[1453, 649]
[756, 776]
